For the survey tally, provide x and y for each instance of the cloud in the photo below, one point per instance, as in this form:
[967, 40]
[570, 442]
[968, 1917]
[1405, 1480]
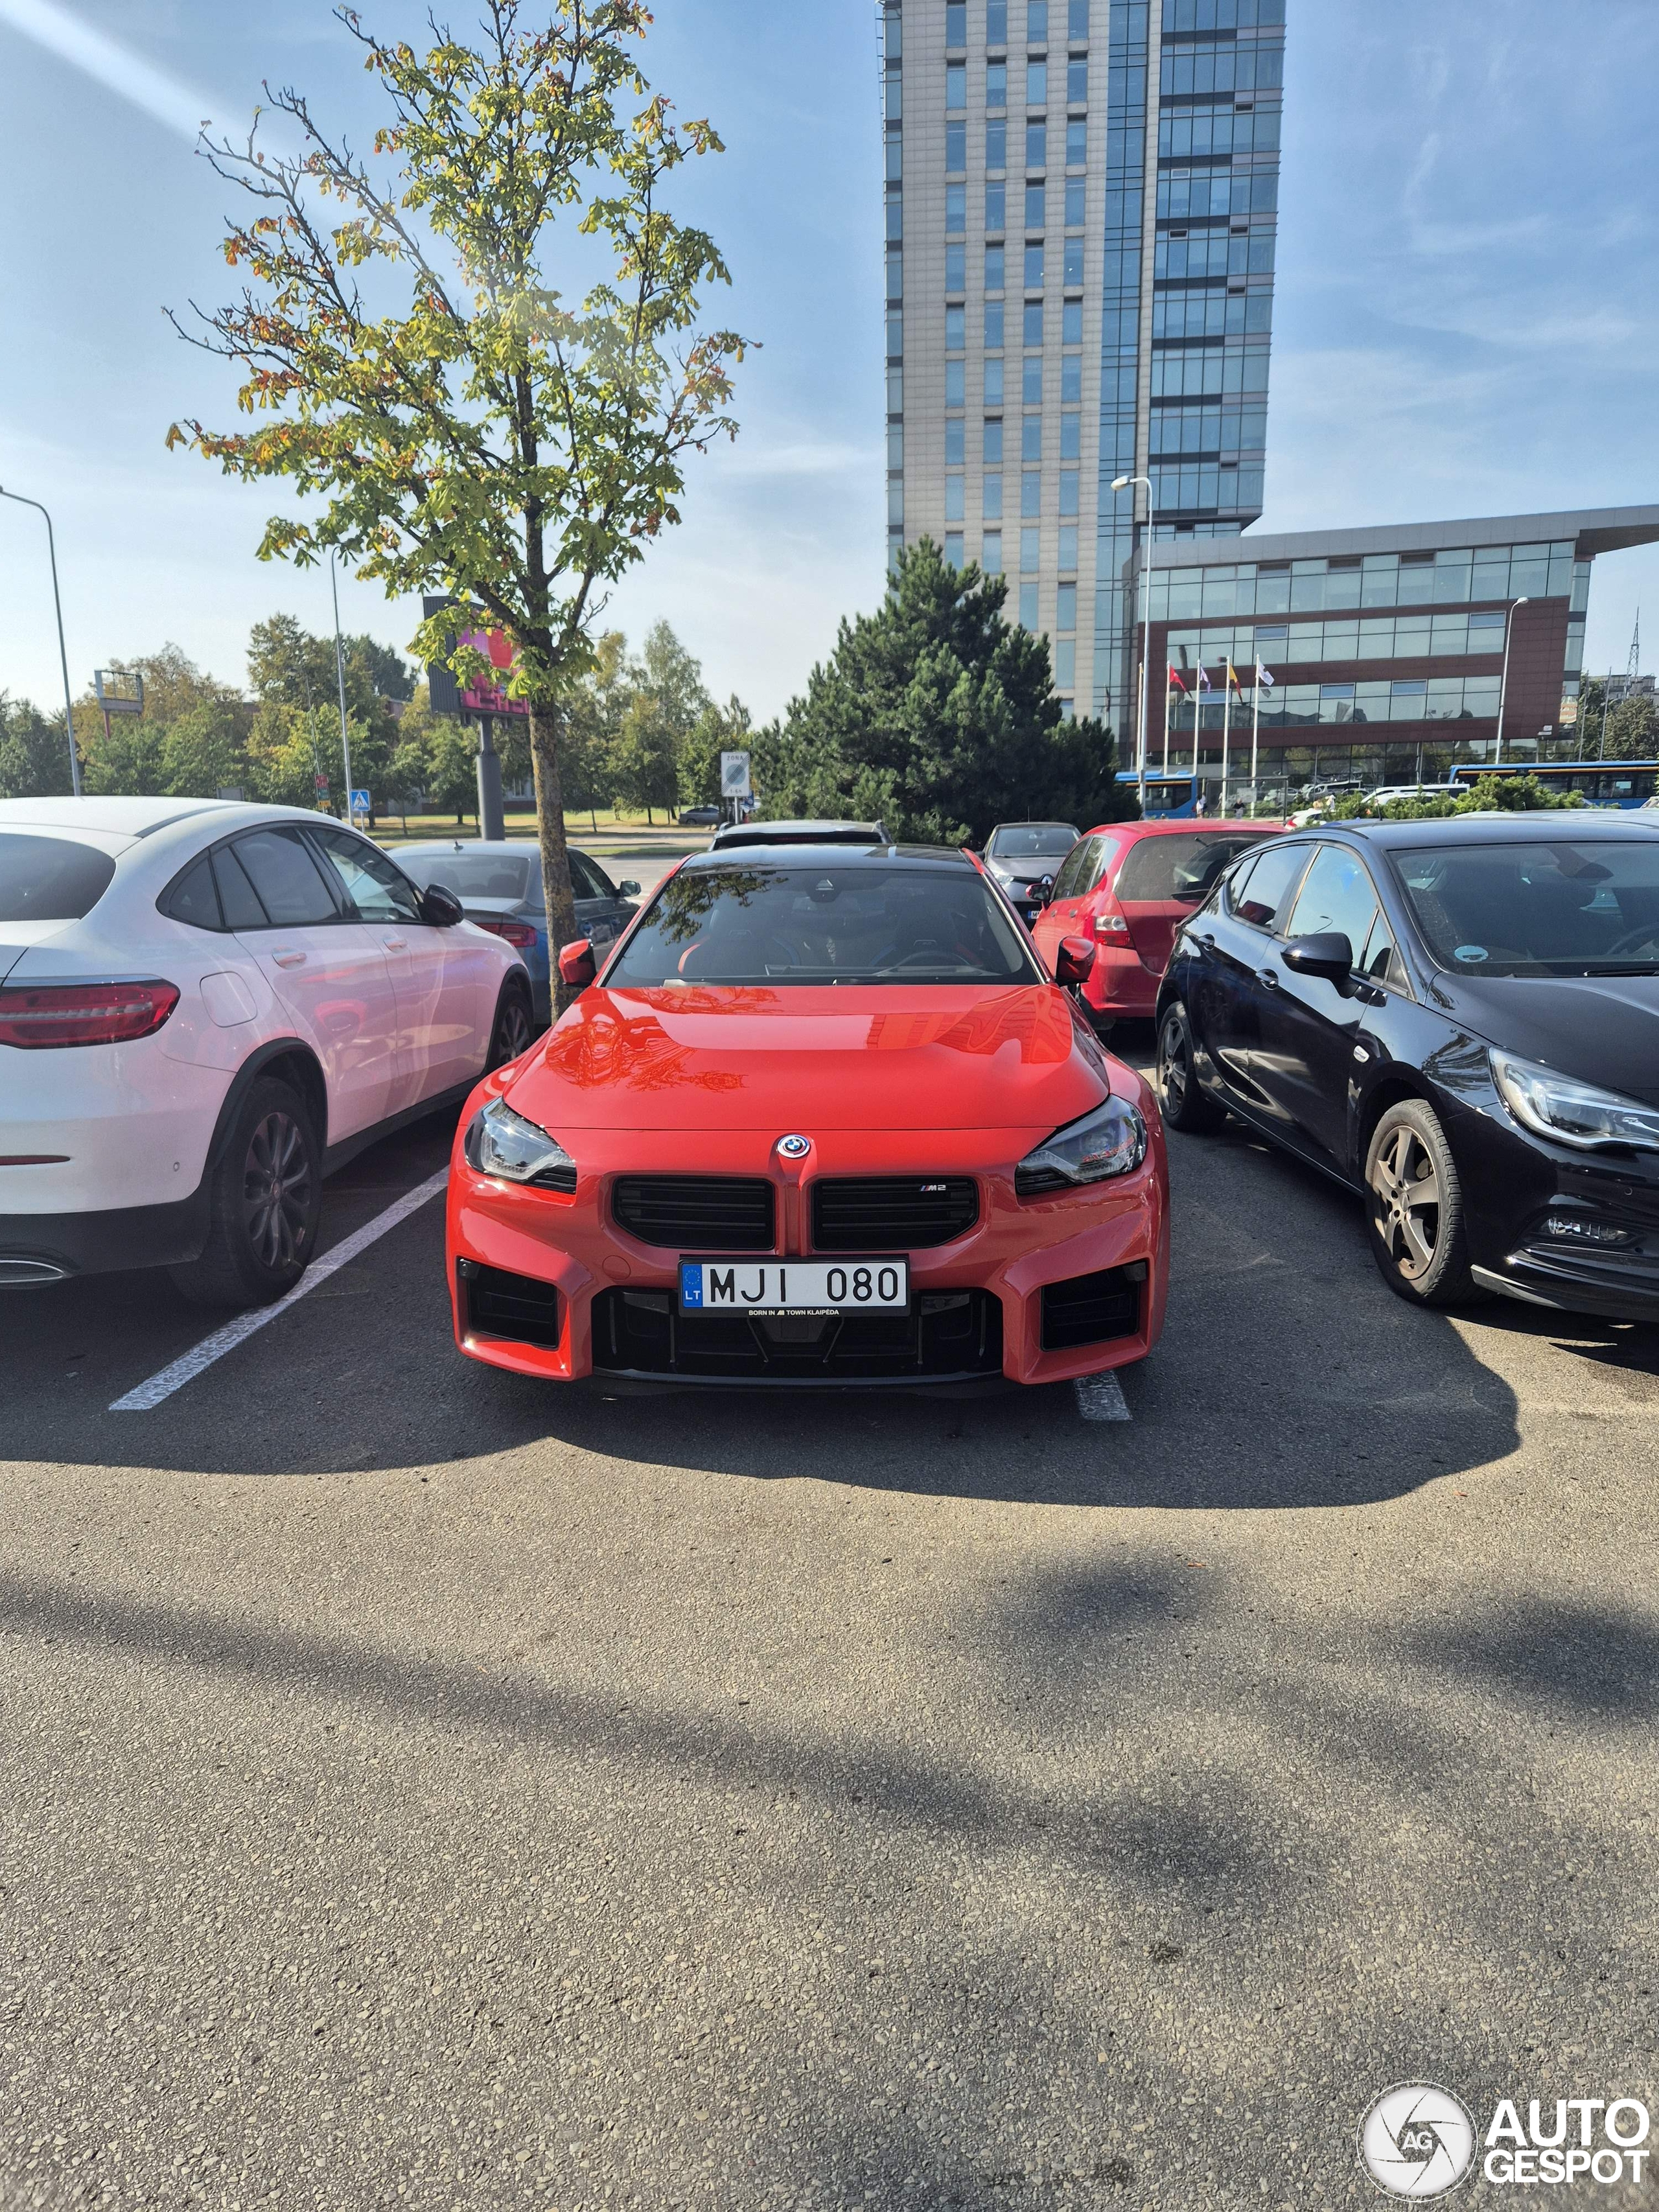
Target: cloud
[177, 107]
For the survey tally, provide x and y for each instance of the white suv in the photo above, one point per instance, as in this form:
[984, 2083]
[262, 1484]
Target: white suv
[205, 1008]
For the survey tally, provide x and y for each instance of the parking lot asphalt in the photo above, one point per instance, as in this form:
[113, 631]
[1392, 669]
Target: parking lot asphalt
[423, 1788]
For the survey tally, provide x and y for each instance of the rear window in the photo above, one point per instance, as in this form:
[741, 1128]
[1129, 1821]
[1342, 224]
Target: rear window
[824, 925]
[50, 879]
[477, 875]
[1032, 841]
[1180, 867]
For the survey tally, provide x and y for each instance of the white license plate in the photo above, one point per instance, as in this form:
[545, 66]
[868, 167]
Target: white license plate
[794, 1285]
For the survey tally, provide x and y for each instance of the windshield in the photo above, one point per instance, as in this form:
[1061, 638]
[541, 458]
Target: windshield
[771, 924]
[50, 879]
[1032, 841]
[1537, 908]
[477, 875]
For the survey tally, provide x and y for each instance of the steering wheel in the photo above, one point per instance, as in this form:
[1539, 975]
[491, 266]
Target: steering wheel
[1645, 936]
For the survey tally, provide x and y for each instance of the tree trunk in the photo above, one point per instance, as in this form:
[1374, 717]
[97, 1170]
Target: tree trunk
[560, 899]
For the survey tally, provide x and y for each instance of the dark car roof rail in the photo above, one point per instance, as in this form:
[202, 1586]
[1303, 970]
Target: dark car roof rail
[801, 833]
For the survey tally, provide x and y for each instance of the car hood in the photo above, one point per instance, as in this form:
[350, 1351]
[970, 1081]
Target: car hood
[1602, 1028]
[875, 1058]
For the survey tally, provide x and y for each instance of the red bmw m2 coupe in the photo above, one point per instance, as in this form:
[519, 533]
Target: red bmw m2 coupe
[824, 1120]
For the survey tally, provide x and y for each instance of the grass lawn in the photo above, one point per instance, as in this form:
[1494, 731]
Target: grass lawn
[603, 821]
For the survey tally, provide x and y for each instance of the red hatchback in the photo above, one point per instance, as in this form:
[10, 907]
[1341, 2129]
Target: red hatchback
[1129, 886]
[822, 1121]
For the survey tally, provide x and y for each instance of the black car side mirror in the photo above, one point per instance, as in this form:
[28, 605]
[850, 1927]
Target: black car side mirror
[1329, 954]
[629, 888]
[1044, 890]
[440, 907]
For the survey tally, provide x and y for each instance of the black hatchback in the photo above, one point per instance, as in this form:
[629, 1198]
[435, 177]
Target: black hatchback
[1459, 1018]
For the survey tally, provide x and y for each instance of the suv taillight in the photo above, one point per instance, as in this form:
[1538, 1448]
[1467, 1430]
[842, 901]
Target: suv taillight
[36, 1015]
[518, 934]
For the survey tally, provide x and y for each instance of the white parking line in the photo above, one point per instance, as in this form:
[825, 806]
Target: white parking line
[190, 1363]
[1100, 1398]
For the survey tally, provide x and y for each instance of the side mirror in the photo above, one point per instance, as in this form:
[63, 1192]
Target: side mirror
[629, 888]
[576, 966]
[1073, 958]
[1330, 954]
[440, 907]
[1044, 890]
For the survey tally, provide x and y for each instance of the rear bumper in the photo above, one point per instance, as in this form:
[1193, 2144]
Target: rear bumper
[44, 1248]
[547, 1285]
[1122, 984]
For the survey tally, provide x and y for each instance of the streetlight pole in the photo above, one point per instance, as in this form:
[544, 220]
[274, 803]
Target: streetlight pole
[1122, 484]
[339, 671]
[62, 656]
[1503, 681]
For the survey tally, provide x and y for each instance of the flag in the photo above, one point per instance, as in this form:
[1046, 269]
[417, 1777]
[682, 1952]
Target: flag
[1264, 676]
[1176, 677]
[1203, 678]
[1232, 677]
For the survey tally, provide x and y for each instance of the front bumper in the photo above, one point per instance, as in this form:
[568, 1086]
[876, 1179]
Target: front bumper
[571, 1294]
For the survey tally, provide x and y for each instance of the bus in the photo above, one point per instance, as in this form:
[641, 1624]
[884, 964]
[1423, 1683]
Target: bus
[1171, 791]
[1600, 783]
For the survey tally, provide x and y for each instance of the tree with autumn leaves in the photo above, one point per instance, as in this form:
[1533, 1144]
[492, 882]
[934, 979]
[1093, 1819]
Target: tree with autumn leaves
[494, 439]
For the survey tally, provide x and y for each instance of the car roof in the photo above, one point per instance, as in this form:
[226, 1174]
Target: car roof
[116, 817]
[471, 845]
[1545, 826]
[726, 859]
[1044, 823]
[1183, 825]
[801, 833]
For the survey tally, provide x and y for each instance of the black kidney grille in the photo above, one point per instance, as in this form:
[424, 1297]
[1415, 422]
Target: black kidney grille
[893, 1213]
[695, 1213]
[1093, 1308]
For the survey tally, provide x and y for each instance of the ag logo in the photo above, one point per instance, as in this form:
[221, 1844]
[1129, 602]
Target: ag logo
[1416, 2141]
[795, 1148]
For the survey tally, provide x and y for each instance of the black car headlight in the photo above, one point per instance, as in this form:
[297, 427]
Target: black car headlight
[1110, 1140]
[1569, 1112]
[501, 1143]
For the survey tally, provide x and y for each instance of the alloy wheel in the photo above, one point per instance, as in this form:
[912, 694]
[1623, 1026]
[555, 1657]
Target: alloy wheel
[1405, 1202]
[1174, 1065]
[277, 1190]
[511, 1030]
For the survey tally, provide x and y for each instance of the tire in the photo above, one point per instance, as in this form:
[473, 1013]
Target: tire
[1182, 1099]
[1414, 1208]
[266, 1195]
[515, 1025]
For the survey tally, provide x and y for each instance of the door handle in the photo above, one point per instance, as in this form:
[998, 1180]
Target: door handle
[1267, 978]
[396, 944]
[287, 958]
[1205, 936]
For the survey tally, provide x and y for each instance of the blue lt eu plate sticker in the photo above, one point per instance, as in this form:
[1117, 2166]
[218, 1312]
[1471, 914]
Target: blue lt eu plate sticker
[794, 1285]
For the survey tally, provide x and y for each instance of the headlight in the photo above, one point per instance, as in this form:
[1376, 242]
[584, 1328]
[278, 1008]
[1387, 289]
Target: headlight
[1110, 1141]
[500, 1142]
[1571, 1112]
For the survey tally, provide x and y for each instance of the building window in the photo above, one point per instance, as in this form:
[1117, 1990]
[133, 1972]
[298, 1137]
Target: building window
[1033, 324]
[1027, 599]
[993, 383]
[895, 503]
[954, 431]
[1037, 84]
[996, 145]
[895, 157]
[895, 217]
[1030, 383]
[1071, 380]
[1035, 199]
[992, 455]
[1066, 607]
[1037, 145]
[1075, 189]
[956, 267]
[996, 84]
[993, 325]
[1068, 490]
[994, 268]
[895, 336]
[956, 148]
[1076, 82]
[1077, 19]
[1034, 267]
[895, 445]
[996, 202]
[1036, 23]
[1064, 658]
[1071, 322]
[1031, 493]
[991, 506]
[956, 380]
[996, 22]
[1068, 547]
[954, 508]
[1030, 438]
[956, 330]
[895, 276]
[1071, 273]
[956, 210]
[894, 389]
[955, 86]
[991, 561]
[955, 22]
[1070, 437]
[1077, 143]
[953, 549]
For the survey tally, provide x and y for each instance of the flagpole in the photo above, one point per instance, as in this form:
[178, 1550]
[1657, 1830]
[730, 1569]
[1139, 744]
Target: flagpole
[1226, 729]
[1255, 726]
[1166, 713]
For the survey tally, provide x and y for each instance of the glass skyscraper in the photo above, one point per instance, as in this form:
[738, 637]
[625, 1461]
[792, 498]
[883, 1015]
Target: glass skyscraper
[1081, 202]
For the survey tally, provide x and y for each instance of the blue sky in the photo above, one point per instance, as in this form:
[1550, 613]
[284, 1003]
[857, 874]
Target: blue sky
[1464, 322]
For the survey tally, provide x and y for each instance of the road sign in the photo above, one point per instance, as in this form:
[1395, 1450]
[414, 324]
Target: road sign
[320, 783]
[734, 776]
[361, 804]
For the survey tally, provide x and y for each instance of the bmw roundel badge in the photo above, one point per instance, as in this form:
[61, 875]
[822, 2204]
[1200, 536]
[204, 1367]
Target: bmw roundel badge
[795, 1148]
